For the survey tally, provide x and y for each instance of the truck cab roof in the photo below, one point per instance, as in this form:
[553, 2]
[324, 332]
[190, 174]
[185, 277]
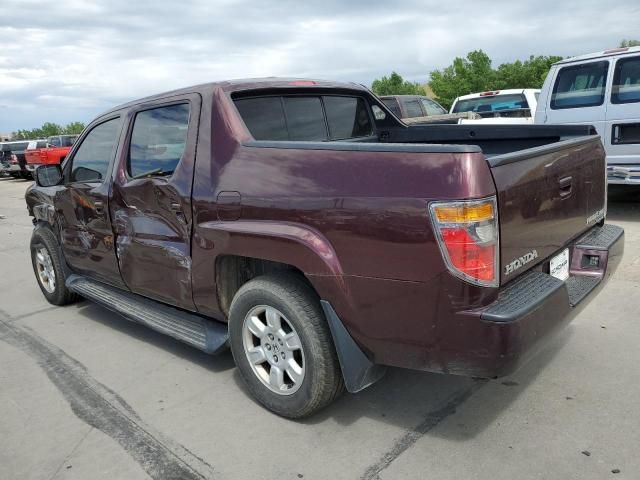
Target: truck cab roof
[248, 84]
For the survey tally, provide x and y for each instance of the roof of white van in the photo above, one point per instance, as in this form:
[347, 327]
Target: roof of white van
[605, 53]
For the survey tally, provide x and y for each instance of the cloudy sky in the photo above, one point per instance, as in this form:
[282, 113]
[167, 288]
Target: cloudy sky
[69, 60]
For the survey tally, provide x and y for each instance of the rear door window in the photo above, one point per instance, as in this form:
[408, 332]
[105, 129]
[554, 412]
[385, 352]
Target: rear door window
[264, 117]
[158, 140]
[580, 86]
[413, 109]
[392, 104]
[305, 119]
[68, 141]
[347, 117]
[626, 81]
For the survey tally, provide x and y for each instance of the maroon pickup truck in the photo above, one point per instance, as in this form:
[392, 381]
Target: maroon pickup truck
[304, 225]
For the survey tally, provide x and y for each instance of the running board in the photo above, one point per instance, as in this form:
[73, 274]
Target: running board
[206, 335]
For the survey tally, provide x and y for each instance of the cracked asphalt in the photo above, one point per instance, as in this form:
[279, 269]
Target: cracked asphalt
[87, 394]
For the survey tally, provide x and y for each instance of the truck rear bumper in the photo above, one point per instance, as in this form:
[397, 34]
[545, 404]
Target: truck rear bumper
[533, 307]
[420, 327]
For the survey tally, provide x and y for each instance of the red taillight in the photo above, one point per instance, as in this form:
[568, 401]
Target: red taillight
[489, 94]
[467, 256]
[467, 233]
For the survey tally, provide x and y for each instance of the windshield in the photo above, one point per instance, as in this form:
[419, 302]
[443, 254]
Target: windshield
[15, 147]
[493, 103]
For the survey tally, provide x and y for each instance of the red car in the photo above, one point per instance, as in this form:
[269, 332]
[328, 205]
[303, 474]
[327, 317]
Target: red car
[55, 151]
[304, 225]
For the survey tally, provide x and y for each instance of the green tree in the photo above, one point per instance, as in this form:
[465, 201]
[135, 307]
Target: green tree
[465, 75]
[396, 85]
[49, 129]
[73, 128]
[629, 43]
[528, 74]
[474, 73]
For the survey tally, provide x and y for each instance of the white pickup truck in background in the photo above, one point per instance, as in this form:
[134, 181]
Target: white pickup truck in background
[507, 107]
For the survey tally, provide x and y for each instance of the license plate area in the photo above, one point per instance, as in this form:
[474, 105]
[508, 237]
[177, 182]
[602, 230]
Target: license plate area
[559, 265]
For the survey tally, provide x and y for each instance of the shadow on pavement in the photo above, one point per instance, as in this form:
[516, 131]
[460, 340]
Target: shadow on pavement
[403, 398]
[96, 313]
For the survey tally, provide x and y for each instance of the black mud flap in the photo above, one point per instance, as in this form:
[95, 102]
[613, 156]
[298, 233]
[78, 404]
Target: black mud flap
[357, 370]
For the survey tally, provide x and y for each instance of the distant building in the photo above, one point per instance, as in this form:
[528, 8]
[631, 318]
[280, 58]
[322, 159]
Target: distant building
[5, 137]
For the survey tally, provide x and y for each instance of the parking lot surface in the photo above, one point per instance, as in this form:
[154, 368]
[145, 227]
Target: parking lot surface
[86, 394]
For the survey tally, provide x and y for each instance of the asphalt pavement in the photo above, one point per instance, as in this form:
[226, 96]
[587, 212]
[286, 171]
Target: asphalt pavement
[85, 394]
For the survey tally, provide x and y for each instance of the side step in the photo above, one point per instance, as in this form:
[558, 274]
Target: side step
[206, 335]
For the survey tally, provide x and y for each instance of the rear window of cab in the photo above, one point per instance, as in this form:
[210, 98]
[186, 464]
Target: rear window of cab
[305, 117]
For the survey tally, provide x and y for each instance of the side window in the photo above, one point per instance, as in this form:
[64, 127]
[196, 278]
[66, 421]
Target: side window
[68, 141]
[432, 108]
[91, 161]
[347, 117]
[626, 81]
[392, 104]
[158, 140]
[55, 141]
[264, 117]
[580, 86]
[413, 109]
[305, 119]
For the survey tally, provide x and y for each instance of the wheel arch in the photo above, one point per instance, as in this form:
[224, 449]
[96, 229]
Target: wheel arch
[245, 249]
[234, 271]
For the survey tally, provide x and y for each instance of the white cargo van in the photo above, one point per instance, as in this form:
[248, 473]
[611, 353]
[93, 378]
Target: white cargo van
[601, 89]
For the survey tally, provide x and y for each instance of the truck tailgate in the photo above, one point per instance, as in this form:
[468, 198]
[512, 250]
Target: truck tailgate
[547, 196]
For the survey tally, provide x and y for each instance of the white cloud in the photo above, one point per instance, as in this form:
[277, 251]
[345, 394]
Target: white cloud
[71, 59]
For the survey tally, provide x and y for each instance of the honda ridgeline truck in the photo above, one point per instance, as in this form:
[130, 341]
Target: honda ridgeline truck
[304, 225]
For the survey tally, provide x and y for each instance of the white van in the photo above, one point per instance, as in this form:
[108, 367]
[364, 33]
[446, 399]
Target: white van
[601, 89]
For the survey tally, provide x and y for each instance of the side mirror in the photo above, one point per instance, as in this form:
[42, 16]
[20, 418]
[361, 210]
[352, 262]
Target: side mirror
[48, 175]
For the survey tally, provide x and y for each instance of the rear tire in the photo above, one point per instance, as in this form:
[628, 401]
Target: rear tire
[48, 267]
[276, 320]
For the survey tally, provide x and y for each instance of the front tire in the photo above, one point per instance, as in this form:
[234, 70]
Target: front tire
[48, 267]
[282, 346]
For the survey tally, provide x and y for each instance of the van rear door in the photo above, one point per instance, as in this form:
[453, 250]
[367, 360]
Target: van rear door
[622, 131]
[575, 94]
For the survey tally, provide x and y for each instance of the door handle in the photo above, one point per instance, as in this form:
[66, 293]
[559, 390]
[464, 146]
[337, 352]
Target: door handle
[99, 206]
[565, 185]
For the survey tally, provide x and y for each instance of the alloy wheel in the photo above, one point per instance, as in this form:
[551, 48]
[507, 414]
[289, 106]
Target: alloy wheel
[273, 349]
